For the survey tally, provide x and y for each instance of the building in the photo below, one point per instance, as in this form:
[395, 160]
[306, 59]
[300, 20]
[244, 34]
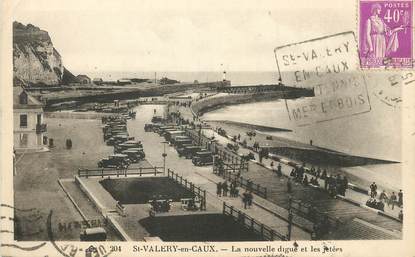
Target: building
[29, 129]
[123, 82]
[97, 81]
[83, 79]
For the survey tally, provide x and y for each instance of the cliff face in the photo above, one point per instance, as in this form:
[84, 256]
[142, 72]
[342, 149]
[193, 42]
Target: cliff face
[35, 60]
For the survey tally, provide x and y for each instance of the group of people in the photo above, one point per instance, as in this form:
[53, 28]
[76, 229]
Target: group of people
[247, 198]
[222, 189]
[333, 184]
[392, 200]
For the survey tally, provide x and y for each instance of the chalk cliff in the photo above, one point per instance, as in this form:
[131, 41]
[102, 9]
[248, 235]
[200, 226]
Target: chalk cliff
[35, 60]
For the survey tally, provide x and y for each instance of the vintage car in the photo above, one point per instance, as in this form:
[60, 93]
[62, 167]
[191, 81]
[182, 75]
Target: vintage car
[163, 129]
[179, 142]
[134, 154]
[157, 119]
[93, 234]
[170, 134]
[189, 150]
[119, 139]
[114, 161]
[118, 148]
[202, 158]
[151, 127]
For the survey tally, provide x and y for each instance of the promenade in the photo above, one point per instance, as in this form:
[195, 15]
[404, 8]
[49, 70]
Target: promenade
[350, 211]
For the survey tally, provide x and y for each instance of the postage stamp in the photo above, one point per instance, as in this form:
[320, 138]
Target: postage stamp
[328, 65]
[385, 33]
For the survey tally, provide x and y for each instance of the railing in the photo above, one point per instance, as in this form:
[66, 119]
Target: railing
[119, 172]
[245, 220]
[190, 186]
[311, 213]
[40, 128]
[242, 182]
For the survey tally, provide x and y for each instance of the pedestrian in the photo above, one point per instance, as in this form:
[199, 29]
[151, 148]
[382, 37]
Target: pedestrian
[225, 189]
[219, 189]
[292, 173]
[289, 185]
[279, 170]
[245, 198]
[324, 174]
[383, 197]
[345, 185]
[305, 180]
[318, 172]
[392, 200]
[250, 198]
[326, 182]
[373, 190]
[400, 198]
[400, 215]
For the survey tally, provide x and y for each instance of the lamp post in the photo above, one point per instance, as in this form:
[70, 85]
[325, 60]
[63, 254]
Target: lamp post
[164, 155]
[290, 218]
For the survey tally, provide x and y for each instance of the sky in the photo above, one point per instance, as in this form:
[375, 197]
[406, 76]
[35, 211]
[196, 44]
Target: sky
[181, 35]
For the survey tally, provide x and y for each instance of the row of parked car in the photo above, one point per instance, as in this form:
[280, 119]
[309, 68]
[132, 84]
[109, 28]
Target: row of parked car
[127, 150]
[185, 146]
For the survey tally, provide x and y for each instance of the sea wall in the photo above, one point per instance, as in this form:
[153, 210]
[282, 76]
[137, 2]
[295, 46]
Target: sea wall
[212, 103]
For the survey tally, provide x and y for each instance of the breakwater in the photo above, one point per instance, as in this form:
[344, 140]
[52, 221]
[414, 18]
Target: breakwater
[220, 101]
[86, 95]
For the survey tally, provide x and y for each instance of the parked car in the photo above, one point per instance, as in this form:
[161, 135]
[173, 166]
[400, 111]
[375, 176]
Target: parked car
[93, 234]
[134, 154]
[157, 119]
[202, 158]
[169, 135]
[126, 145]
[188, 150]
[178, 143]
[114, 161]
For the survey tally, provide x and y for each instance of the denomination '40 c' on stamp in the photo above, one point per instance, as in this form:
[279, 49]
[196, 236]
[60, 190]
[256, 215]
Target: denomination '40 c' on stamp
[385, 33]
[330, 66]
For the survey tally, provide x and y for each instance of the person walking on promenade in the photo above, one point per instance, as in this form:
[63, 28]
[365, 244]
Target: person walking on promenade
[318, 172]
[219, 189]
[289, 185]
[272, 166]
[392, 200]
[400, 198]
[245, 198]
[326, 182]
[400, 215]
[373, 190]
[324, 174]
[305, 180]
[279, 170]
[225, 189]
[292, 173]
[383, 197]
[250, 198]
[345, 185]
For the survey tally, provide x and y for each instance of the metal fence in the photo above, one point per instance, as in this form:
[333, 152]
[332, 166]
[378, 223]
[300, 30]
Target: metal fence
[190, 186]
[245, 220]
[120, 172]
[311, 213]
[242, 182]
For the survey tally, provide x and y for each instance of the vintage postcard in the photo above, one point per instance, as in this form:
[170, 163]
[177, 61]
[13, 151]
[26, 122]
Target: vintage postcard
[207, 128]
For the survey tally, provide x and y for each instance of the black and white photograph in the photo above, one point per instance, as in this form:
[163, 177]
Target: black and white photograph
[219, 128]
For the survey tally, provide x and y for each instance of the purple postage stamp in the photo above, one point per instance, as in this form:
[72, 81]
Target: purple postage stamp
[385, 33]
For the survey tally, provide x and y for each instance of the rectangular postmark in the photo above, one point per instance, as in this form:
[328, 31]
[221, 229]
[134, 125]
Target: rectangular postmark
[385, 33]
[329, 66]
